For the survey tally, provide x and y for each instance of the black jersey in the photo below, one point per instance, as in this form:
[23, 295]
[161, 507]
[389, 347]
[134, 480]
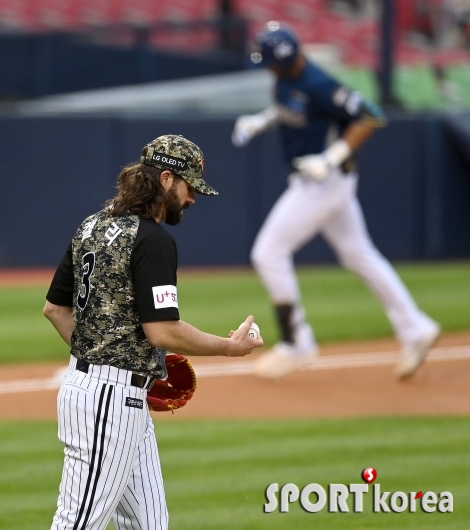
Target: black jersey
[117, 273]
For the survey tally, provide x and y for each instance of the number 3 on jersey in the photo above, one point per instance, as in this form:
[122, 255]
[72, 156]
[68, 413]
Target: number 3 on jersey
[88, 264]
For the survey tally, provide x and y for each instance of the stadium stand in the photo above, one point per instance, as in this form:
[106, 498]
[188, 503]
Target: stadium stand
[314, 20]
[350, 25]
[432, 36]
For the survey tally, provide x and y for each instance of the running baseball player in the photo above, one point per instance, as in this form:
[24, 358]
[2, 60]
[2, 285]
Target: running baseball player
[113, 300]
[321, 123]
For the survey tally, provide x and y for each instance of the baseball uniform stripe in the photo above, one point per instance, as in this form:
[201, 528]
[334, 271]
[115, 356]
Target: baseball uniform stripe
[93, 456]
[144, 495]
[124, 427]
[100, 458]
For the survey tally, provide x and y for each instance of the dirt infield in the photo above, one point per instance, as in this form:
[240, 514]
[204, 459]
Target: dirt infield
[43, 277]
[25, 277]
[440, 387]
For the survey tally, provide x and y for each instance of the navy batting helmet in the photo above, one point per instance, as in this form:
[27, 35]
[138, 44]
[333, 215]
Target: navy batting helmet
[276, 44]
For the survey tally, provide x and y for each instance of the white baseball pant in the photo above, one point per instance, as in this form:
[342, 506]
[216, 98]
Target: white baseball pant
[111, 466]
[330, 207]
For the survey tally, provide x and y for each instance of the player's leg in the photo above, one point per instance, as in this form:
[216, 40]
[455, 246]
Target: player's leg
[346, 232]
[101, 435]
[294, 220]
[143, 504]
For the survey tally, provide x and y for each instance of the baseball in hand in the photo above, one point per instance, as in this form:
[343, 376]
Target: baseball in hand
[254, 331]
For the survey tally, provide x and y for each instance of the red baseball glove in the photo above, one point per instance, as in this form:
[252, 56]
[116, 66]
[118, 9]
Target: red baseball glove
[177, 389]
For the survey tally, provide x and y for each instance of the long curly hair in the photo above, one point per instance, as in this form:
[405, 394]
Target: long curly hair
[139, 192]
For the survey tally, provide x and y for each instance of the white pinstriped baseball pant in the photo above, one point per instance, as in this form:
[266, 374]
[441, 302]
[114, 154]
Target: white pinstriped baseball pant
[111, 465]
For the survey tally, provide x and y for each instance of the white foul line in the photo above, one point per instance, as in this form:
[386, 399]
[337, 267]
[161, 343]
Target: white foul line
[328, 362]
[33, 385]
[334, 362]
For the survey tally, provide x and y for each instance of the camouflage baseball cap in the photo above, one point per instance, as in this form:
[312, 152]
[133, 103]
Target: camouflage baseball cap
[182, 157]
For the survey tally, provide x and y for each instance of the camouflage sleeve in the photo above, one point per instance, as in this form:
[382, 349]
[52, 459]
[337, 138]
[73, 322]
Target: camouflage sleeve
[61, 289]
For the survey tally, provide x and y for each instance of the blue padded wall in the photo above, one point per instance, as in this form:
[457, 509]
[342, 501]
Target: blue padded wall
[414, 187]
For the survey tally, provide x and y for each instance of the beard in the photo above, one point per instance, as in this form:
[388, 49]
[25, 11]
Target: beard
[174, 208]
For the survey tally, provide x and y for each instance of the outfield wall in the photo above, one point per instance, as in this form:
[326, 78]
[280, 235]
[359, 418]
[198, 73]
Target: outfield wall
[54, 171]
[39, 64]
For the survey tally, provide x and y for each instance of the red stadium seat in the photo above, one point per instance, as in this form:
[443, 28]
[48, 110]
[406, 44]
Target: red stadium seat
[16, 15]
[314, 21]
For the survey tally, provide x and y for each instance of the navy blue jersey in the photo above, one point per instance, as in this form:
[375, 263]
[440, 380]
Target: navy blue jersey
[314, 103]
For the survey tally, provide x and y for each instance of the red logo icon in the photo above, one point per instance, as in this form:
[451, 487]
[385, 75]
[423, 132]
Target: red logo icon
[419, 495]
[369, 475]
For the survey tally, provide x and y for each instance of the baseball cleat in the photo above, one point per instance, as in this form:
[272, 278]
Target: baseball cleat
[281, 360]
[414, 353]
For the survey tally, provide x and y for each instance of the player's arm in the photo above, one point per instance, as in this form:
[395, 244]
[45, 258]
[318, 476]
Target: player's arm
[363, 118]
[250, 125]
[61, 318]
[179, 336]
[59, 298]
[357, 133]
[153, 266]
[366, 119]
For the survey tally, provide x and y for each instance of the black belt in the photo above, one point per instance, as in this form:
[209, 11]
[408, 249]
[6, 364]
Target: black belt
[140, 381]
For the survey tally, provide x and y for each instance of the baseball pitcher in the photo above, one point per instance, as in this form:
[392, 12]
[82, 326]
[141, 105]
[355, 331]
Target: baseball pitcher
[114, 301]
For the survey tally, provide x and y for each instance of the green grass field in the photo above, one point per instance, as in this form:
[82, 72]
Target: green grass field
[338, 305]
[216, 472]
